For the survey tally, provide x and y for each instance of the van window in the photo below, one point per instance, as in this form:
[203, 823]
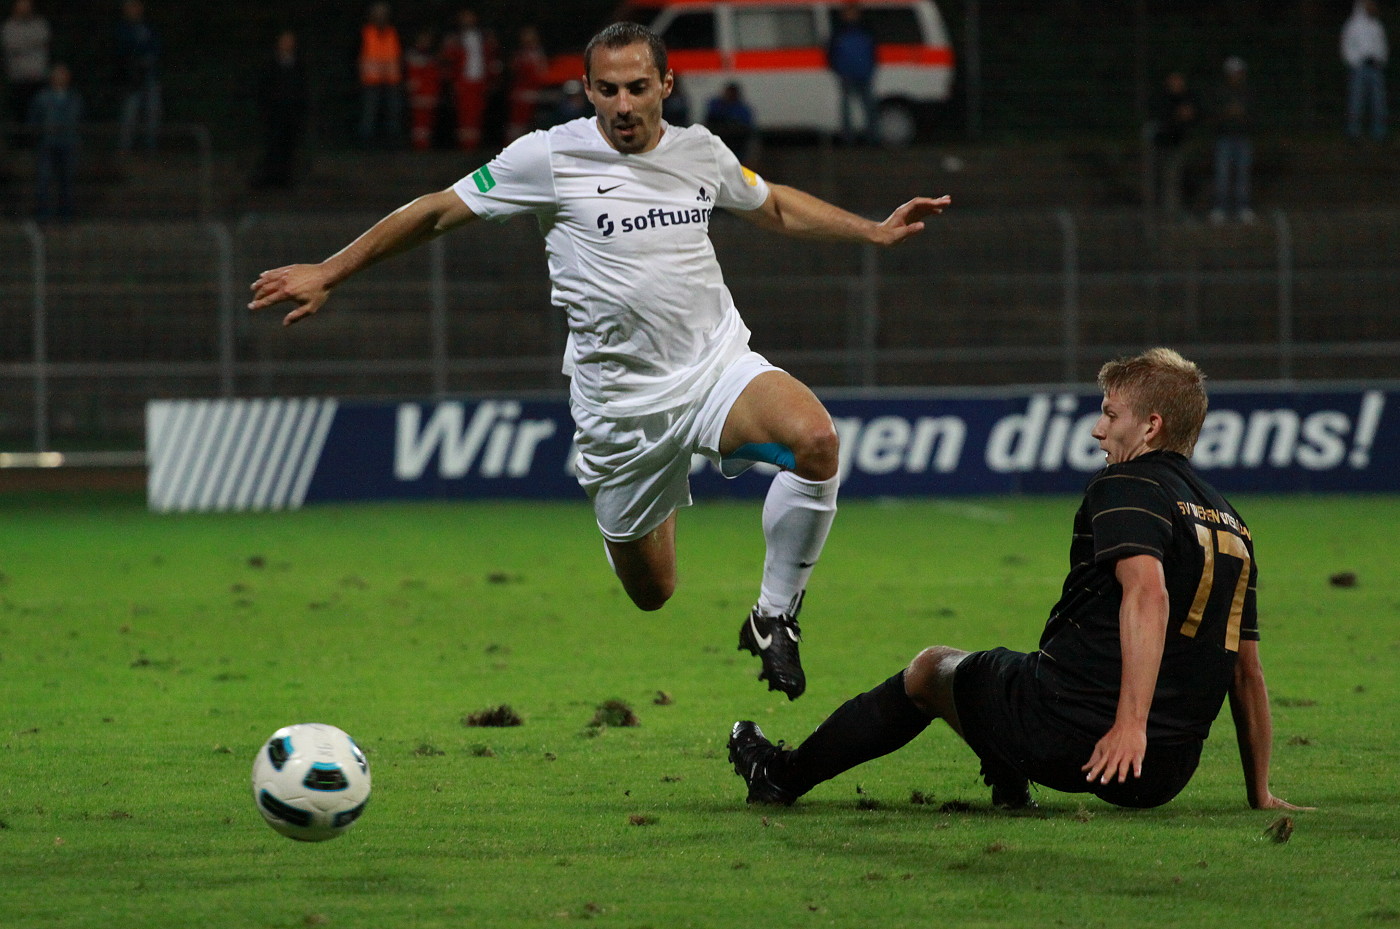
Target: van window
[690, 31]
[757, 29]
[889, 25]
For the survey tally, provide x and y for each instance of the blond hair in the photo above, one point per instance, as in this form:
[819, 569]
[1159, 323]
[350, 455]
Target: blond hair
[1161, 381]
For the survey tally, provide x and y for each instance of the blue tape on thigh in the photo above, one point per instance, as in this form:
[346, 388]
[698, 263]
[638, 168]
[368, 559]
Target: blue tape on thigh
[772, 452]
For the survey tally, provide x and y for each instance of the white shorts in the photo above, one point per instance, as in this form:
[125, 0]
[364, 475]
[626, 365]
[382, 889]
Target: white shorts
[637, 469]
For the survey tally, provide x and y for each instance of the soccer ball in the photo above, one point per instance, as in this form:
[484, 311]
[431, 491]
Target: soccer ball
[310, 782]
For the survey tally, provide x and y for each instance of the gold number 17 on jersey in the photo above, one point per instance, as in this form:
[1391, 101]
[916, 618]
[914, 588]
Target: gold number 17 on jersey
[1224, 543]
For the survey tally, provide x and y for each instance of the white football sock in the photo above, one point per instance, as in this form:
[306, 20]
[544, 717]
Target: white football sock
[797, 516]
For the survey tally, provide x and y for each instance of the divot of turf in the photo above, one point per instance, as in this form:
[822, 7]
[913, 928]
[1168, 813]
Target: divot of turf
[613, 714]
[497, 716]
[1280, 830]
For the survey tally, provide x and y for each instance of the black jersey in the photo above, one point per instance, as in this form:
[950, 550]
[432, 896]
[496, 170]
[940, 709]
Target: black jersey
[1155, 504]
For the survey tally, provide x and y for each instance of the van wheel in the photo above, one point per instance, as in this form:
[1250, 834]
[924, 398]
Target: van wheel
[896, 124]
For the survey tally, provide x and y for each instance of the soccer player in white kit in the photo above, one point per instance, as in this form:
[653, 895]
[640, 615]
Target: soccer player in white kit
[657, 354]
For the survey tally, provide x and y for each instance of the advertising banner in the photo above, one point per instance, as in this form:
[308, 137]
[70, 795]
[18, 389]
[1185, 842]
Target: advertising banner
[283, 453]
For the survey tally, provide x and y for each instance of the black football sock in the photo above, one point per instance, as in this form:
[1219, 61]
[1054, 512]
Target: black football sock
[865, 727]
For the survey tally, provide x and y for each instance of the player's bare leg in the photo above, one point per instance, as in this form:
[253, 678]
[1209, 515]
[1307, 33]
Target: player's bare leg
[647, 566]
[777, 407]
[777, 411]
[928, 681]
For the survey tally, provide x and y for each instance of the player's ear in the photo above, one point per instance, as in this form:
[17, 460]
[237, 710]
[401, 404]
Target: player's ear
[1154, 428]
[668, 82]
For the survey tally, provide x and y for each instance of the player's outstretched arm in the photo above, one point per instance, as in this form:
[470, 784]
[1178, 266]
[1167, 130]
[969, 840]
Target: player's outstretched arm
[1254, 728]
[1142, 632]
[799, 214]
[309, 285]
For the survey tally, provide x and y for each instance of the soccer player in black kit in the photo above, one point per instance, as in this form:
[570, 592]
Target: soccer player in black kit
[1155, 627]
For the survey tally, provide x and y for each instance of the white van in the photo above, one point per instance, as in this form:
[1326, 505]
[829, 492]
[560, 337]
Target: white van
[776, 51]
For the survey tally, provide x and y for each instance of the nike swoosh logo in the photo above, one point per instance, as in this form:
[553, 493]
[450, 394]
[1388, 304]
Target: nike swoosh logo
[603, 190]
[762, 641]
[806, 564]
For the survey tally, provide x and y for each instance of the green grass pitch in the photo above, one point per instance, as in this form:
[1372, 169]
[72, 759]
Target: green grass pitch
[144, 659]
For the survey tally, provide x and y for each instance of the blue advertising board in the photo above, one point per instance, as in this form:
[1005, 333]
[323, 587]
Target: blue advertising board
[268, 454]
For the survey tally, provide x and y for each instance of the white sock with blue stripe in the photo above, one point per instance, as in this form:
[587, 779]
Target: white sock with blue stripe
[797, 516]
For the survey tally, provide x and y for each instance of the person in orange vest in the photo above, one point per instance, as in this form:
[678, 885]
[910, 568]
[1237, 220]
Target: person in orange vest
[423, 67]
[381, 77]
[527, 67]
[474, 61]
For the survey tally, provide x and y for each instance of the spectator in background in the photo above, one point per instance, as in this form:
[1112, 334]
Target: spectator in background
[474, 61]
[1366, 52]
[1174, 114]
[528, 65]
[24, 39]
[55, 114]
[283, 99]
[573, 103]
[381, 78]
[730, 117]
[423, 67]
[138, 76]
[1234, 151]
[851, 55]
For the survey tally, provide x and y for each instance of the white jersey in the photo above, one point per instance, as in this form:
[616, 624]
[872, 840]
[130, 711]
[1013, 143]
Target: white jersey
[651, 324]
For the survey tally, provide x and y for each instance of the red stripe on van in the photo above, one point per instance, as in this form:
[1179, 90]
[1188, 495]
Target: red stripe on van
[570, 67]
[780, 59]
[683, 60]
[935, 56]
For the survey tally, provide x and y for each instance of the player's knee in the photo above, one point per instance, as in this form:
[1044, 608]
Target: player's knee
[652, 594]
[817, 453]
[928, 679]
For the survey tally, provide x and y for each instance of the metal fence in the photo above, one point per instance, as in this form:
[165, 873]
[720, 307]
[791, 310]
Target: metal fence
[95, 319]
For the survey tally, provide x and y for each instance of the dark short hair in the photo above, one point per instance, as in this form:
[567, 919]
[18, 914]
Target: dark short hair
[621, 35]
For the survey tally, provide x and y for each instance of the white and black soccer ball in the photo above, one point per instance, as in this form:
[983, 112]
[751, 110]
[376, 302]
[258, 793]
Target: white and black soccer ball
[310, 781]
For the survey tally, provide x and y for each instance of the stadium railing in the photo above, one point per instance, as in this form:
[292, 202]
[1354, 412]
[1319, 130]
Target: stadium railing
[98, 318]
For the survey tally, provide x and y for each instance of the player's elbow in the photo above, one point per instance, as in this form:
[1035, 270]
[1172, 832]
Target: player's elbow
[1247, 683]
[1248, 676]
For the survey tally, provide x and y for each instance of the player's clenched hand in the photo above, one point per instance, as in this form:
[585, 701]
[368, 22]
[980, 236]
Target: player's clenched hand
[1118, 754]
[303, 285]
[908, 219]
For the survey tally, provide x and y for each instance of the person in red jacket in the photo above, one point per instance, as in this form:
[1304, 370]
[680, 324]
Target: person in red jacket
[381, 77]
[423, 68]
[527, 67]
[473, 60]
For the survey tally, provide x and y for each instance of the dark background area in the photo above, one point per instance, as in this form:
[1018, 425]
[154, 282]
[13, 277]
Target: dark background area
[1045, 68]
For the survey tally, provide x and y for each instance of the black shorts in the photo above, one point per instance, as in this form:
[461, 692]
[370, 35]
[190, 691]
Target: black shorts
[1008, 725]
